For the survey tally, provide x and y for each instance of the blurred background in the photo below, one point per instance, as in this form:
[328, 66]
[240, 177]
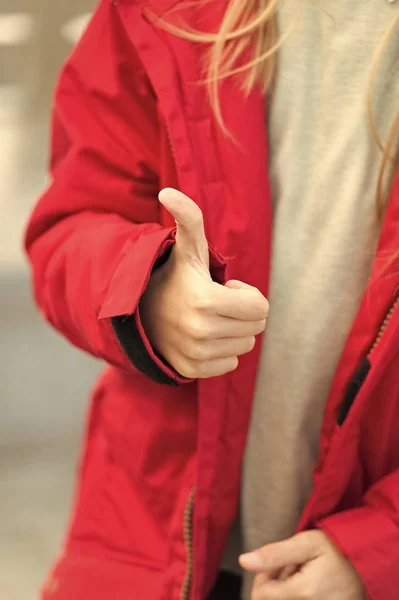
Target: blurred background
[43, 382]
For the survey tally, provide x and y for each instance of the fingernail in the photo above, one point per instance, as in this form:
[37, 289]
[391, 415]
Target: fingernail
[252, 561]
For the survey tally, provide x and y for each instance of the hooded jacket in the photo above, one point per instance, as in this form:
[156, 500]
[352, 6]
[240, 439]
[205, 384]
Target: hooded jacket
[160, 473]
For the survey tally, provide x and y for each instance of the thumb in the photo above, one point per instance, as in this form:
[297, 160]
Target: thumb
[297, 550]
[190, 235]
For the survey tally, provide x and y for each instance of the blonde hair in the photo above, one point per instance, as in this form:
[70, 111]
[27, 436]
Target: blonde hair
[250, 25]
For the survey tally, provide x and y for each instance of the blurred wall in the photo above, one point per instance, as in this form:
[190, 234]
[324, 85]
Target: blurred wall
[43, 381]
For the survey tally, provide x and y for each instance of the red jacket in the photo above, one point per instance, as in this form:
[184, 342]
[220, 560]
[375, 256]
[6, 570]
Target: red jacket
[159, 482]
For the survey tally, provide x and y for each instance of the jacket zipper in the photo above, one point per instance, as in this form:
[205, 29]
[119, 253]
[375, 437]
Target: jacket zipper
[189, 509]
[383, 328]
[188, 541]
[346, 406]
[363, 370]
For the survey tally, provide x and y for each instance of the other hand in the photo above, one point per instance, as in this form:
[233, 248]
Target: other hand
[314, 570]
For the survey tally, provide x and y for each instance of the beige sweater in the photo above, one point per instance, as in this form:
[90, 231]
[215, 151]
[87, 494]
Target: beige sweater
[323, 169]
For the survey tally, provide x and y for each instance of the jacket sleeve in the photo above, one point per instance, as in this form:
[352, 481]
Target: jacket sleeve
[95, 236]
[369, 537]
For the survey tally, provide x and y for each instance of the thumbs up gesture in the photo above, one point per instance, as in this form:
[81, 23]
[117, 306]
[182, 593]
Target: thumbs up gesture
[197, 325]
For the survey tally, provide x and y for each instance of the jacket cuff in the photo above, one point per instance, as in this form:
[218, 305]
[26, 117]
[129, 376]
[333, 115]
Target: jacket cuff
[133, 272]
[370, 540]
[133, 339]
[125, 313]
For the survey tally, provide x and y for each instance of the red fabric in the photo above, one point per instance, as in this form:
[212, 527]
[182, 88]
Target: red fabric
[129, 119]
[102, 580]
[369, 537]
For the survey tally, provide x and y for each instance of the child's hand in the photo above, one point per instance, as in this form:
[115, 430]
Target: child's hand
[321, 573]
[200, 327]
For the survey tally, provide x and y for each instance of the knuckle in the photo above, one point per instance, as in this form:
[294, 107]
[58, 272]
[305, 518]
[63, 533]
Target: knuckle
[259, 305]
[264, 307]
[193, 218]
[186, 370]
[196, 351]
[189, 352]
[251, 343]
[233, 364]
[203, 369]
[196, 216]
[195, 328]
[303, 537]
[190, 369]
[203, 302]
[318, 538]
[260, 327]
[247, 345]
